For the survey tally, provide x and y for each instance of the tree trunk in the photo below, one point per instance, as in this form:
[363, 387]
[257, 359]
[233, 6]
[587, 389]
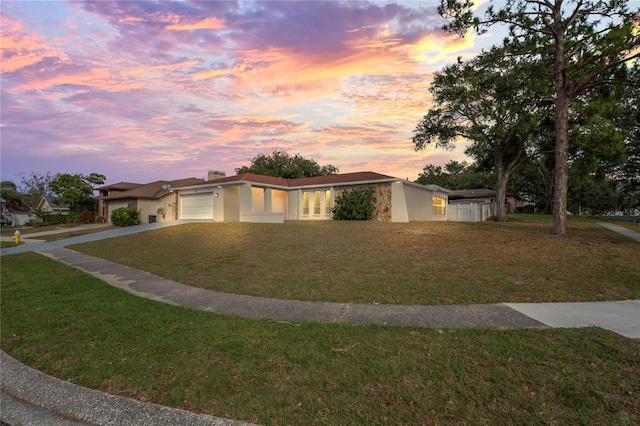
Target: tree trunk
[501, 195]
[501, 184]
[561, 177]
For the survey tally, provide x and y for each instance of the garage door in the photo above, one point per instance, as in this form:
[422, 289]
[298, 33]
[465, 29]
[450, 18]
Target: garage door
[196, 206]
[113, 206]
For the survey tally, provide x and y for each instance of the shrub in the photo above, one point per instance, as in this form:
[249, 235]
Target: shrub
[124, 216]
[354, 204]
[87, 217]
[74, 218]
[54, 219]
[101, 219]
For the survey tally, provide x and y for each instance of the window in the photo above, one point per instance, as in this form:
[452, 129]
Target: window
[327, 202]
[305, 203]
[316, 203]
[439, 206]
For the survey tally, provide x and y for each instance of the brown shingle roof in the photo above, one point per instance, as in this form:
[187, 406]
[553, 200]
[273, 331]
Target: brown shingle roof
[344, 178]
[120, 186]
[475, 193]
[472, 193]
[152, 190]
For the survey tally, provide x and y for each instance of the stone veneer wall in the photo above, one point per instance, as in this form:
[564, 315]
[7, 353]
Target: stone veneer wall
[381, 199]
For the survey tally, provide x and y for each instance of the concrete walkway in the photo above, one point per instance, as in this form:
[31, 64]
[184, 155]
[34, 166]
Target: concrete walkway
[32, 398]
[634, 235]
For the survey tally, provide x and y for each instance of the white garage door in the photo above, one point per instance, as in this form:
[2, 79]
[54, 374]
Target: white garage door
[196, 206]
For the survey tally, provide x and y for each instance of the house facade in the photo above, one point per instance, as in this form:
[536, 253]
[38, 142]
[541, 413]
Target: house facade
[154, 201]
[257, 198]
[47, 204]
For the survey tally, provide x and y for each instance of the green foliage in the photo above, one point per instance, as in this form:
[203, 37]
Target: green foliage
[74, 218]
[51, 219]
[456, 175]
[583, 45]
[354, 204]
[281, 164]
[125, 216]
[489, 102]
[34, 186]
[76, 190]
[9, 194]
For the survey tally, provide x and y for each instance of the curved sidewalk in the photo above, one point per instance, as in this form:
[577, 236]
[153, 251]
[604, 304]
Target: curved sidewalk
[622, 317]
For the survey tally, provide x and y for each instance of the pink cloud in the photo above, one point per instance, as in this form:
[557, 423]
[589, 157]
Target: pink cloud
[188, 86]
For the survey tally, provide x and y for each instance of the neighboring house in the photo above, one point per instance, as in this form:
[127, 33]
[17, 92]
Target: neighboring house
[109, 190]
[153, 200]
[47, 204]
[512, 201]
[17, 216]
[256, 198]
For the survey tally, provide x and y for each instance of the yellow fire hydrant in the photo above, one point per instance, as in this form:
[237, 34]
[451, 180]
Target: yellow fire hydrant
[16, 237]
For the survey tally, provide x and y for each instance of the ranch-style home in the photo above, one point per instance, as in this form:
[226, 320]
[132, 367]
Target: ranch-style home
[258, 198]
[153, 200]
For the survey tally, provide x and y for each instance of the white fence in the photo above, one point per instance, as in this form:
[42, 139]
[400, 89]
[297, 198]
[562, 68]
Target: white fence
[470, 211]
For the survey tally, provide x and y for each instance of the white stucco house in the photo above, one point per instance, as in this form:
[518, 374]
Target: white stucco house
[257, 198]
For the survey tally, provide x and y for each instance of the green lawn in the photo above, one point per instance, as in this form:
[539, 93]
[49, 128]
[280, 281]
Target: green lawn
[372, 262]
[77, 328]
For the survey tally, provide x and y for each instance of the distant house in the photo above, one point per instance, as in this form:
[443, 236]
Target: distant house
[109, 190]
[153, 200]
[47, 204]
[475, 205]
[257, 198]
[512, 201]
[17, 216]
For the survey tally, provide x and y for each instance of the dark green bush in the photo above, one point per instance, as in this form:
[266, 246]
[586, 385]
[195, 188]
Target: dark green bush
[125, 217]
[54, 219]
[354, 204]
[74, 218]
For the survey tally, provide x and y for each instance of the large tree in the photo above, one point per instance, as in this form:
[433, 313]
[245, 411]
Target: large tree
[487, 101]
[456, 175]
[33, 186]
[600, 126]
[281, 164]
[9, 194]
[76, 190]
[589, 41]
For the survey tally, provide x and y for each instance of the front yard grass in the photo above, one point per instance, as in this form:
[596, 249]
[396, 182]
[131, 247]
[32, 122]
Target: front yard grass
[371, 262]
[75, 327]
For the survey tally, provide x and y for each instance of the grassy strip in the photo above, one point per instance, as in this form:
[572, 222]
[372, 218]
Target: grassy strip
[75, 233]
[7, 244]
[9, 231]
[77, 328]
[371, 262]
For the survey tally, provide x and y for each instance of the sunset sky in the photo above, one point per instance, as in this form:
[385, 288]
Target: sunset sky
[146, 91]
